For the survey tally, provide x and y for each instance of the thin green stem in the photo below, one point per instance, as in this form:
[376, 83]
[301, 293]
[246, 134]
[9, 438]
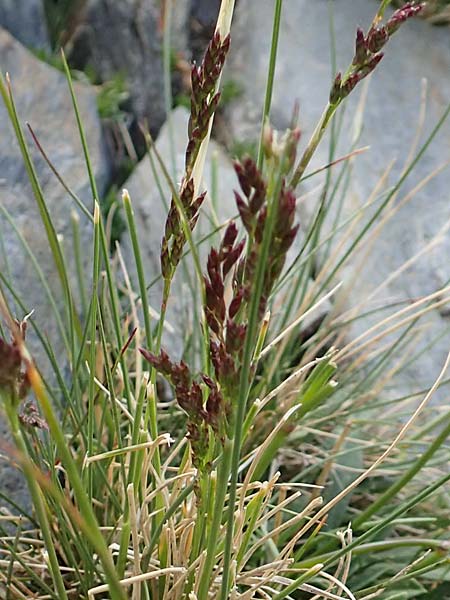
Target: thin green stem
[42, 279]
[313, 143]
[182, 497]
[206, 488]
[223, 472]
[168, 100]
[295, 585]
[103, 241]
[82, 499]
[55, 247]
[381, 11]
[37, 497]
[386, 545]
[390, 195]
[151, 404]
[54, 170]
[139, 267]
[400, 483]
[273, 191]
[270, 77]
[79, 261]
[376, 529]
[431, 562]
[92, 348]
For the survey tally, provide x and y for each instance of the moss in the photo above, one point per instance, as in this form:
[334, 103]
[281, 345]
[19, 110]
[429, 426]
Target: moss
[241, 148]
[52, 59]
[230, 90]
[61, 18]
[111, 97]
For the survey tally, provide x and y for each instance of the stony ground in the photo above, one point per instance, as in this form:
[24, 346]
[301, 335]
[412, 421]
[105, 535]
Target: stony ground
[303, 74]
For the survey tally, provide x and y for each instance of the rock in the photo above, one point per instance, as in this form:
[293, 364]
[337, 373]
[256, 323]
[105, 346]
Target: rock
[179, 35]
[25, 20]
[391, 115]
[125, 38]
[203, 19]
[151, 213]
[42, 98]
[205, 12]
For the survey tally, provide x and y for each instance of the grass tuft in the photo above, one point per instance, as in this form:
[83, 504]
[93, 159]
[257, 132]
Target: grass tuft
[278, 461]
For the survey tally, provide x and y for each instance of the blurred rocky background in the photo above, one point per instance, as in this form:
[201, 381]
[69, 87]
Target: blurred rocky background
[131, 62]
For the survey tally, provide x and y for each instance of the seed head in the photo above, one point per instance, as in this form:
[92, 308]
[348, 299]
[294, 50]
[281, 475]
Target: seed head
[13, 376]
[367, 51]
[410, 9]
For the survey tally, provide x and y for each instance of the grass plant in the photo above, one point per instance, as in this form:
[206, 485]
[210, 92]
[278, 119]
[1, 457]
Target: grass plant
[282, 465]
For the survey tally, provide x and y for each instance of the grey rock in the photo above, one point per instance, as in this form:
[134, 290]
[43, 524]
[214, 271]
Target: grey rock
[205, 12]
[150, 214]
[203, 19]
[124, 38]
[42, 98]
[179, 39]
[25, 20]
[390, 119]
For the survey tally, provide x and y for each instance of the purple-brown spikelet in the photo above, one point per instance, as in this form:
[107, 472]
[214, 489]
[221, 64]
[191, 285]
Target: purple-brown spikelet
[174, 237]
[10, 364]
[216, 409]
[204, 99]
[204, 102]
[367, 51]
[360, 48]
[229, 332]
[410, 9]
[190, 398]
[229, 283]
[252, 207]
[253, 187]
[30, 417]
[376, 39]
[220, 263]
[222, 314]
[13, 376]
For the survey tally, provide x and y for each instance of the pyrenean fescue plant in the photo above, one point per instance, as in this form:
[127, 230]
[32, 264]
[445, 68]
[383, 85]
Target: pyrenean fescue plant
[138, 498]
